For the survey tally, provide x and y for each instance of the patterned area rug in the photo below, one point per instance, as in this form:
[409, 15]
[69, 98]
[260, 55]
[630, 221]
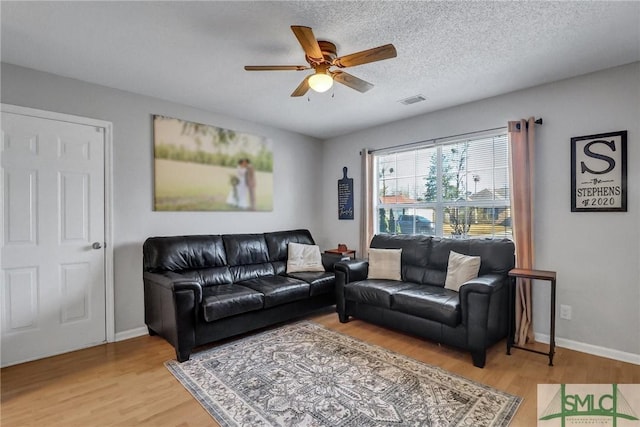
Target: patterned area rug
[305, 375]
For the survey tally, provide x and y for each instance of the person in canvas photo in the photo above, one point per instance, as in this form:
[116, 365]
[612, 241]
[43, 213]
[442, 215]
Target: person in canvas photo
[239, 195]
[251, 183]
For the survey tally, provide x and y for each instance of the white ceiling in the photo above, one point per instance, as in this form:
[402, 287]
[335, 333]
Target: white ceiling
[194, 52]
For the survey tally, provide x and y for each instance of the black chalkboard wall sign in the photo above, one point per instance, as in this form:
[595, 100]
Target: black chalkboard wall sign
[345, 196]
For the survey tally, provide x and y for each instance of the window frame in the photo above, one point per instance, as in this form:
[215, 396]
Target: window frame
[440, 204]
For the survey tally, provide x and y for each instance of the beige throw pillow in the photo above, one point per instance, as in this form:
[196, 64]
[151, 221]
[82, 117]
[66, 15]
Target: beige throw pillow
[460, 269]
[385, 264]
[303, 258]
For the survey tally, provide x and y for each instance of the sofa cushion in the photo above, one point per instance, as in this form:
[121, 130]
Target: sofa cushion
[385, 264]
[228, 300]
[278, 289]
[177, 253]
[304, 258]
[251, 271]
[460, 269]
[278, 242]
[429, 302]
[497, 255]
[319, 282]
[375, 292]
[204, 276]
[245, 249]
[247, 256]
[441, 248]
[415, 249]
[415, 253]
[434, 277]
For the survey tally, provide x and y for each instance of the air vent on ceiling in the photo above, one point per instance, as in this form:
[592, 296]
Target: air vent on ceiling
[412, 100]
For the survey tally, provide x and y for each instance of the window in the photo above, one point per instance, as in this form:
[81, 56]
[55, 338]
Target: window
[454, 188]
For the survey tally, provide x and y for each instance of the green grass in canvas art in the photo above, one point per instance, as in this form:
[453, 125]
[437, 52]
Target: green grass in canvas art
[188, 186]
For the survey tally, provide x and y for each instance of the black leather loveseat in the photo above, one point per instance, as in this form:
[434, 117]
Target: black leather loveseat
[473, 318]
[199, 289]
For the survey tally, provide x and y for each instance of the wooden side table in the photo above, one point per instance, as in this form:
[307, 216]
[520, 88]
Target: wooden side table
[349, 252]
[536, 275]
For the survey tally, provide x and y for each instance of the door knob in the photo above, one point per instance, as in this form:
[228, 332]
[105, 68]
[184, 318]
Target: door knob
[96, 245]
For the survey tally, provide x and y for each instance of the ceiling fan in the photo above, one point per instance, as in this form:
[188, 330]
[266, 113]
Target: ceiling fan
[321, 56]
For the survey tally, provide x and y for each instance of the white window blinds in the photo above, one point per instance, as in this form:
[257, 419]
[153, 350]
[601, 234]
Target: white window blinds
[453, 188]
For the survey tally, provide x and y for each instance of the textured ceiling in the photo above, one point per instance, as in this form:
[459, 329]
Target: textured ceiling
[194, 52]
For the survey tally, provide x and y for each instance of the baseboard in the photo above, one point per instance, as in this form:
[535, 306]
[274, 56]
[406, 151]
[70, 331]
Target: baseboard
[131, 333]
[609, 353]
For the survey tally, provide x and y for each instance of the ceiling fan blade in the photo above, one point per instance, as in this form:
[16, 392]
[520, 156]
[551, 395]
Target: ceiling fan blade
[276, 67]
[351, 81]
[302, 87]
[308, 42]
[370, 55]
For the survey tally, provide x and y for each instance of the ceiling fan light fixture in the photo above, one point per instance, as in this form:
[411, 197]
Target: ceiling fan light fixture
[321, 55]
[320, 82]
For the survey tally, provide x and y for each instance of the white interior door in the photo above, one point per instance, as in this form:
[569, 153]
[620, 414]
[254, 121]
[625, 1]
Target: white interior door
[52, 256]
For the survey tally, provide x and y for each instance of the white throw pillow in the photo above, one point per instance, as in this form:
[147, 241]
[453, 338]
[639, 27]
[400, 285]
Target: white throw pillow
[303, 258]
[460, 269]
[385, 264]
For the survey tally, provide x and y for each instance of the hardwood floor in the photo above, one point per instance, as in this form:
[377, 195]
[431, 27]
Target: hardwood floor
[126, 384]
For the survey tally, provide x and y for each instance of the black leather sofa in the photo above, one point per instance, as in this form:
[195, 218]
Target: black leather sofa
[474, 318]
[199, 289]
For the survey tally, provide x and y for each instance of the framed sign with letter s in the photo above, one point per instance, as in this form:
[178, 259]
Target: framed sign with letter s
[599, 172]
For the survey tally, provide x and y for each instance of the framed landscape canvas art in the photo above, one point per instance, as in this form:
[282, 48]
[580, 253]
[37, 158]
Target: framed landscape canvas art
[200, 167]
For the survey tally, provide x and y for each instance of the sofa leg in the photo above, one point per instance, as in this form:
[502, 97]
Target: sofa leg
[151, 332]
[479, 358]
[344, 318]
[183, 356]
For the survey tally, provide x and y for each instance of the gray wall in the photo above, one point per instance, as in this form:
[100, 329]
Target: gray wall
[596, 255]
[296, 173]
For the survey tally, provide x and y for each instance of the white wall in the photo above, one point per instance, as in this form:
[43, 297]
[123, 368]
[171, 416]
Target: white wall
[296, 173]
[596, 255]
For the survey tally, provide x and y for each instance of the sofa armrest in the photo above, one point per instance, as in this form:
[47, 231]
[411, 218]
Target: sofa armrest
[476, 295]
[329, 261]
[353, 269]
[171, 309]
[348, 271]
[484, 307]
[485, 284]
[175, 283]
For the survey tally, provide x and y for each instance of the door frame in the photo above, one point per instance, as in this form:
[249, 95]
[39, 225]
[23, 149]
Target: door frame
[108, 197]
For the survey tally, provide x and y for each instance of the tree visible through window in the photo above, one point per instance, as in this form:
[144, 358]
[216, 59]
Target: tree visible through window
[456, 188]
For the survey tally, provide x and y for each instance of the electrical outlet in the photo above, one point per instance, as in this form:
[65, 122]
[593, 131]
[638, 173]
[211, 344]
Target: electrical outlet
[565, 312]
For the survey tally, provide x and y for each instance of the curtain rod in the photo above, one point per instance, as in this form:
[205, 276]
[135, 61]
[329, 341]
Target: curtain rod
[538, 122]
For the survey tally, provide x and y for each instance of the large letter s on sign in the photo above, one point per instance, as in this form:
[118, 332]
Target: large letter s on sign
[589, 153]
